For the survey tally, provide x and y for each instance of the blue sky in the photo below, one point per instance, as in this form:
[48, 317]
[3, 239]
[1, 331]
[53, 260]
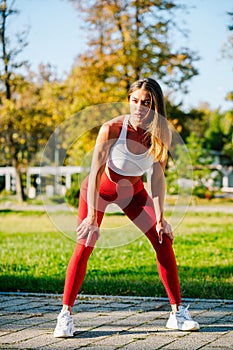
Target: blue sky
[55, 37]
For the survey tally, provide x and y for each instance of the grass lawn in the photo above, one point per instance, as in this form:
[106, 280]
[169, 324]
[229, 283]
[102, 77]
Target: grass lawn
[34, 256]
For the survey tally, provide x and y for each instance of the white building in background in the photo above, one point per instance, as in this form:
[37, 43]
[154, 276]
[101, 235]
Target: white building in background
[52, 177]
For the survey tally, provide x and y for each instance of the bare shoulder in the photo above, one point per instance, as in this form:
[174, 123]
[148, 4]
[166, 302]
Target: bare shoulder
[112, 128]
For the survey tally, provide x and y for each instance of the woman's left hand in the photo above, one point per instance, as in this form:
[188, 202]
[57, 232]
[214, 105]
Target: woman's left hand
[87, 231]
[164, 228]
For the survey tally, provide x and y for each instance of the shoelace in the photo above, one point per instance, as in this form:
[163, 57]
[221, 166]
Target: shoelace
[185, 313]
[65, 320]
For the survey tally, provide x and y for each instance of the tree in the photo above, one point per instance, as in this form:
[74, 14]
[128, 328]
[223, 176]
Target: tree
[218, 135]
[191, 165]
[127, 40]
[9, 64]
[187, 121]
[9, 53]
[227, 52]
[35, 109]
[31, 104]
[130, 40]
[227, 49]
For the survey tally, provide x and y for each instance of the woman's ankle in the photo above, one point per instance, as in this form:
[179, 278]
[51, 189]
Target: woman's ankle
[174, 308]
[67, 308]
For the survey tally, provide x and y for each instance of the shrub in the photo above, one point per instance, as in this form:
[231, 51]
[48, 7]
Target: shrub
[202, 192]
[72, 194]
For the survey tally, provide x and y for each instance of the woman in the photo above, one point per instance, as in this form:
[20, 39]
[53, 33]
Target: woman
[126, 148]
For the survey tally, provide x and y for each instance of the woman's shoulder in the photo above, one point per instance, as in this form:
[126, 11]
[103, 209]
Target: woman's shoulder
[113, 126]
[116, 122]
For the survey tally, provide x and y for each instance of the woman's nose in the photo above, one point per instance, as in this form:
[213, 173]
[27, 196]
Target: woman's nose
[139, 105]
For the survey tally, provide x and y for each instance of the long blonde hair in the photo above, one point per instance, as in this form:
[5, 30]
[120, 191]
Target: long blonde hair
[157, 129]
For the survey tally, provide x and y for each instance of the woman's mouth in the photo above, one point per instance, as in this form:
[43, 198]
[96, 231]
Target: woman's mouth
[138, 115]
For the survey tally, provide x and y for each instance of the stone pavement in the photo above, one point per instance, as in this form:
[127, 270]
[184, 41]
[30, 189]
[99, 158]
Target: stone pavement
[108, 323]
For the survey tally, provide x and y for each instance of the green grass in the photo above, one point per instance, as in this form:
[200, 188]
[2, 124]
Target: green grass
[34, 256]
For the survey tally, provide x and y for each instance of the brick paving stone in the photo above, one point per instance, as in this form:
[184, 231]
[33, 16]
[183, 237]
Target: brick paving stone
[115, 340]
[122, 313]
[35, 342]
[210, 347]
[28, 321]
[110, 323]
[151, 342]
[147, 328]
[117, 306]
[69, 343]
[192, 341]
[131, 321]
[11, 318]
[98, 321]
[225, 341]
[21, 308]
[85, 307]
[97, 347]
[11, 303]
[152, 306]
[21, 335]
[4, 297]
[3, 333]
[85, 315]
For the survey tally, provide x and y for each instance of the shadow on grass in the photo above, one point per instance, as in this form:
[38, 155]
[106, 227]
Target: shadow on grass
[22, 212]
[119, 284]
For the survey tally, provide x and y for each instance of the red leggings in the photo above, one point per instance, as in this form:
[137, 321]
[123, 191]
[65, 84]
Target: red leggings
[138, 206]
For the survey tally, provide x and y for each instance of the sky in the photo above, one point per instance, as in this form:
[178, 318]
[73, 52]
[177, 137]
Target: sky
[55, 37]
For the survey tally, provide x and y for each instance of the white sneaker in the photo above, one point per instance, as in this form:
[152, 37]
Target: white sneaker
[65, 326]
[182, 320]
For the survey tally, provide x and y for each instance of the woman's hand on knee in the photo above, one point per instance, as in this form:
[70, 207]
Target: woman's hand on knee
[89, 232]
[168, 231]
[164, 228]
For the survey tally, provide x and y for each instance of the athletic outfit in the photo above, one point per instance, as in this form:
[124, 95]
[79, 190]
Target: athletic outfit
[135, 202]
[137, 205]
[124, 162]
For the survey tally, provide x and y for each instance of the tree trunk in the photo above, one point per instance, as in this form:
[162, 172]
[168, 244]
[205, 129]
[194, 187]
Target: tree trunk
[18, 182]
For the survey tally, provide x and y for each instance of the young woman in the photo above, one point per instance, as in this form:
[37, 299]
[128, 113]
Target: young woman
[127, 147]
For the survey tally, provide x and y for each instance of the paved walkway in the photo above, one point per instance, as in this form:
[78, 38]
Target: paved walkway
[108, 323]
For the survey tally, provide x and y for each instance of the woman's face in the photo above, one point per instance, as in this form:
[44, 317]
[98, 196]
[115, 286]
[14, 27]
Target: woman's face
[140, 105]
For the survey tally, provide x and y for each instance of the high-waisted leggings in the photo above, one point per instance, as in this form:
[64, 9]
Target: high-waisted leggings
[139, 207]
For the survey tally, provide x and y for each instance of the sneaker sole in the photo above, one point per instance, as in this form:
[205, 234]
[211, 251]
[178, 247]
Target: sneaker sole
[62, 335]
[194, 329]
[183, 329]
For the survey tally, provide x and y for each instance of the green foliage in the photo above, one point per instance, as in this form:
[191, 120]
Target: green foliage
[218, 135]
[200, 158]
[202, 192]
[72, 194]
[131, 39]
[214, 134]
[190, 168]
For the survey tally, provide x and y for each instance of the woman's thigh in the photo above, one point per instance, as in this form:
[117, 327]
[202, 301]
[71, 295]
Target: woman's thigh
[141, 211]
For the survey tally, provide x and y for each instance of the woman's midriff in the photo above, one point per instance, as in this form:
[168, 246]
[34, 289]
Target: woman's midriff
[114, 177]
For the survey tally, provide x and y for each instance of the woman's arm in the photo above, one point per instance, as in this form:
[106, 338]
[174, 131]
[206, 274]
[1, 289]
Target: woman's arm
[158, 190]
[100, 156]
[104, 141]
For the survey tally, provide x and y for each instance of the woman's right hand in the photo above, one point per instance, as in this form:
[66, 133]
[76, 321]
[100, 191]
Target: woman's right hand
[86, 230]
[164, 228]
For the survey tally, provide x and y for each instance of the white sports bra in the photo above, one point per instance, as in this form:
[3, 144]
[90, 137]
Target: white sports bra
[124, 162]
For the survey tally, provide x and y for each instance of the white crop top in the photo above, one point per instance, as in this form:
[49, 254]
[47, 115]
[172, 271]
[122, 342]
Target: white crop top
[124, 162]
